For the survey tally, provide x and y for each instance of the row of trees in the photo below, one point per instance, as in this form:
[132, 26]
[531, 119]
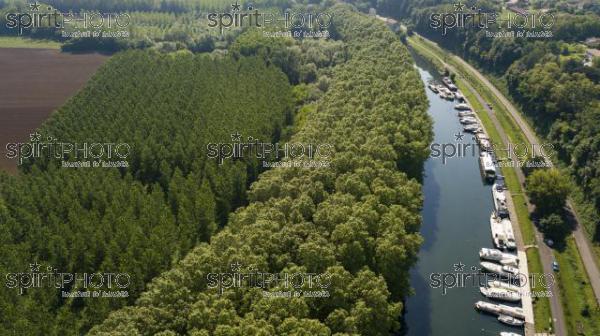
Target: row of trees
[357, 220]
[147, 28]
[136, 220]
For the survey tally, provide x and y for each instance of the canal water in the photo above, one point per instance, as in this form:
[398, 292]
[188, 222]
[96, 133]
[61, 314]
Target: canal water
[455, 226]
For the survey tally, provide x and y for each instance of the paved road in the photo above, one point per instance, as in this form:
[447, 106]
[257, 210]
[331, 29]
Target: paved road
[546, 255]
[581, 239]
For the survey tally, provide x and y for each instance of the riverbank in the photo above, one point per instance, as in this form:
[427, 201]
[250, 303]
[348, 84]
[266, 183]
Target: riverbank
[576, 302]
[452, 238]
[495, 131]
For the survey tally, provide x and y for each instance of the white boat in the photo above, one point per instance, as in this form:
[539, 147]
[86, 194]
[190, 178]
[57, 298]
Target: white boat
[468, 113]
[459, 96]
[433, 87]
[468, 120]
[449, 84]
[506, 333]
[509, 234]
[499, 197]
[504, 285]
[497, 255]
[487, 166]
[472, 128]
[499, 269]
[500, 309]
[511, 261]
[494, 268]
[485, 145]
[462, 107]
[511, 320]
[480, 136]
[500, 294]
[498, 234]
[445, 93]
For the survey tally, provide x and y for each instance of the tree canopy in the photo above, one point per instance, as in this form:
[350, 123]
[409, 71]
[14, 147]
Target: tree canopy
[356, 221]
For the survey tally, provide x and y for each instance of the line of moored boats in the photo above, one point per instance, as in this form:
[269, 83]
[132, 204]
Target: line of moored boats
[499, 260]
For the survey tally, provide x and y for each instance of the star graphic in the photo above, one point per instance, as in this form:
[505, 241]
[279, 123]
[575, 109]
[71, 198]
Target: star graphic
[236, 137]
[35, 137]
[459, 267]
[459, 136]
[236, 266]
[35, 267]
[235, 6]
[35, 6]
[458, 7]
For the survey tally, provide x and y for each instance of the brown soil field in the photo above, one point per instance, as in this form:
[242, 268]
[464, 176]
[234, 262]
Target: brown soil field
[33, 83]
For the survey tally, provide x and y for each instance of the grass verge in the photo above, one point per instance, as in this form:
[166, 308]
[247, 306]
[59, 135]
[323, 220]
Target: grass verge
[582, 313]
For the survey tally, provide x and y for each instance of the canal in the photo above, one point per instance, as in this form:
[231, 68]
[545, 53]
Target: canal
[455, 226]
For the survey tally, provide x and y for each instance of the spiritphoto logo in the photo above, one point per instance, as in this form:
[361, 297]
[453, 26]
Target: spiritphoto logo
[510, 155]
[298, 284]
[237, 17]
[82, 24]
[515, 22]
[296, 154]
[101, 284]
[462, 276]
[99, 154]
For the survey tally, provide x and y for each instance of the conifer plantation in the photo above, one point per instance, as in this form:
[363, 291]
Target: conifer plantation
[141, 219]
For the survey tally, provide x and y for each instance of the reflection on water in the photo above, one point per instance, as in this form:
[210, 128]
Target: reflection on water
[455, 226]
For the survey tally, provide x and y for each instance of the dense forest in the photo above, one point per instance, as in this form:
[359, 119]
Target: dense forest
[356, 221]
[167, 25]
[140, 219]
[145, 29]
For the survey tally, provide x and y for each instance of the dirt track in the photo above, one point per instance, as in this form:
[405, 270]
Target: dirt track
[33, 83]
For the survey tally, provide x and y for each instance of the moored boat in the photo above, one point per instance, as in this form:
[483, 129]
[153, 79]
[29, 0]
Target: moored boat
[472, 128]
[500, 309]
[506, 333]
[504, 285]
[500, 294]
[468, 121]
[487, 166]
[499, 197]
[433, 87]
[497, 255]
[462, 107]
[513, 321]
[493, 268]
